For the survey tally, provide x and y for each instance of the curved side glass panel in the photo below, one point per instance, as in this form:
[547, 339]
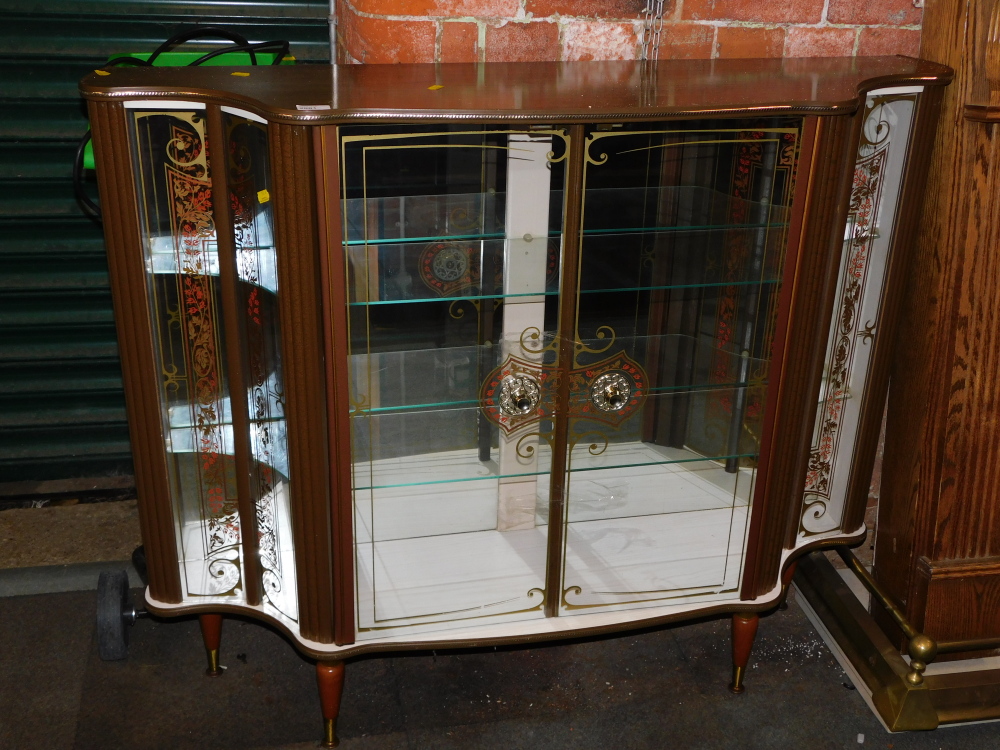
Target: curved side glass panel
[878, 172]
[175, 203]
[249, 180]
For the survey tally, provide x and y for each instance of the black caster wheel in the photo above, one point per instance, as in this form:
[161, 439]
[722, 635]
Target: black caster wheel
[115, 614]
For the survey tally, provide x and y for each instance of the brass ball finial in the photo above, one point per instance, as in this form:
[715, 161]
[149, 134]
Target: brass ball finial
[922, 648]
[916, 674]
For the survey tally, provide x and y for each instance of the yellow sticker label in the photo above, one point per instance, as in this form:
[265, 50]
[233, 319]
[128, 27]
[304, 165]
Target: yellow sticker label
[435, 87]
[102, 72]
[239, 73]
[263, 196]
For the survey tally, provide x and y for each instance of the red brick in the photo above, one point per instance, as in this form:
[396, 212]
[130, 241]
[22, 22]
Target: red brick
[872, 12]
[459, 42]
[376, 40]
[685, 41]
[439, 8]
[739, 41]
[883, 40]
[761, 11]
[822, 42]
[522, 42]
[599, 40]
[619, 9]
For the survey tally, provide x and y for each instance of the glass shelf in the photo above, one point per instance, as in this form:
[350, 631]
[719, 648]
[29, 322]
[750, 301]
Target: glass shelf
[423, 218]
[428, 218]
[449, 269]
[554, 293]
[632, 209]
[683, 259]
[462, 298]
[432, 466]
[439, 379]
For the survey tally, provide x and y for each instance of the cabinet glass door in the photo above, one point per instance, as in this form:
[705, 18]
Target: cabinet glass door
[173, 182]
[684, 233]
[452, 245]
[248, 177]
[185, 279]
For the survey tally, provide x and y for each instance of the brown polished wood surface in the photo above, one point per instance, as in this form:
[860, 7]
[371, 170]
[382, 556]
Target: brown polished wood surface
[743, 634]
[960, 598]
[337, 348]
[302, 344]
[982, 101]
[211, 631]
[543, 91]
[127, 273]
[939, 495]
[820, 203]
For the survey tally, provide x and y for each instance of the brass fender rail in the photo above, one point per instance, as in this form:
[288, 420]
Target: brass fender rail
[921, 647]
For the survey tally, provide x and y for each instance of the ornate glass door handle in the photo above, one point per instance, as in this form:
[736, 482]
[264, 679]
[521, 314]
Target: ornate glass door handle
[611, 391]
[519, 395]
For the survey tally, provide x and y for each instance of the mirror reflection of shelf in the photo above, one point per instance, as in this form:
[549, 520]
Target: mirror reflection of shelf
[425, 218]
[163, 257]
[444, 378]
[420, 548]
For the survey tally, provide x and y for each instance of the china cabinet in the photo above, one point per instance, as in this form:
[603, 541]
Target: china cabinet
[447, 355]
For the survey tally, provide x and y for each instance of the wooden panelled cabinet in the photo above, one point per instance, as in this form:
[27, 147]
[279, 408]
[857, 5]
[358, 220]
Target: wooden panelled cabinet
[427, 356]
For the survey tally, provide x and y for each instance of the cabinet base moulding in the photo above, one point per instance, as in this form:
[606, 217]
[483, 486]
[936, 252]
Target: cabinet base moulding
[958, 599]
[527, 631]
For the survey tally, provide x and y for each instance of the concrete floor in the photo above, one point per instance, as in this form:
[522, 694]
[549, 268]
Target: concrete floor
[66, 532]
[663, 688]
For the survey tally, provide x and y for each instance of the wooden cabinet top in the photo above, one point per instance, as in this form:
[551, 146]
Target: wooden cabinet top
[536, 91]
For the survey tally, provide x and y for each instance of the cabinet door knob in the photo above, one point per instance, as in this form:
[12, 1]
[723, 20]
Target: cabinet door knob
[611, 391]
[519, 395]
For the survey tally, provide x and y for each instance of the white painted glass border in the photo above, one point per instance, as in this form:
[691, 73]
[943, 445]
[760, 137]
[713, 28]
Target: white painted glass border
[868, 236]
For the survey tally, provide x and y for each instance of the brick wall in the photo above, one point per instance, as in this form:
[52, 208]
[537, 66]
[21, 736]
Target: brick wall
[388, 31]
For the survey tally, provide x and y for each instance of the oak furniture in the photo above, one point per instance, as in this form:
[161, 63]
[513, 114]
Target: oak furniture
[936, 577]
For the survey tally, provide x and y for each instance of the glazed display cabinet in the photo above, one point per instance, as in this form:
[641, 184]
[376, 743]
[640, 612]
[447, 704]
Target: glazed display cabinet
[423, 356]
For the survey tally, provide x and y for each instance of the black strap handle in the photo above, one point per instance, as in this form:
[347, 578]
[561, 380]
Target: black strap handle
[199, 32]
[278, 44]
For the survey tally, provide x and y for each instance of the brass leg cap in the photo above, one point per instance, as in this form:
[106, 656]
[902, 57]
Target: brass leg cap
[329, 733]
[737, 684]
[214, 670]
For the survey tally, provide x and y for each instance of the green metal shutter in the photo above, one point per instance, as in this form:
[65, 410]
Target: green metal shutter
[62, 413]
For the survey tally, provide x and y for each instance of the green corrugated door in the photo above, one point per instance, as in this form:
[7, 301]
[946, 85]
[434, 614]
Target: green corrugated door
[62, 414]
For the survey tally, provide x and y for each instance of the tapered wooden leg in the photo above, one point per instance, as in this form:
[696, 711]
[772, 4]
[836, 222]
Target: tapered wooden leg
[211, 633]
[330, 677]
[744, 630]
[786, 581]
